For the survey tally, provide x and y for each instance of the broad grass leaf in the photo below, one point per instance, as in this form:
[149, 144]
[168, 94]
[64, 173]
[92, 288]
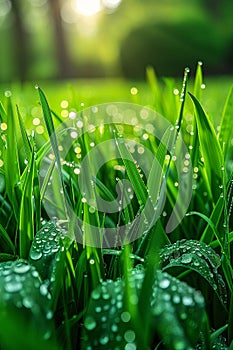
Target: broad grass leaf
[199, 257]
[174, 307]
[44, 252]
[21, 290]
[12, 333]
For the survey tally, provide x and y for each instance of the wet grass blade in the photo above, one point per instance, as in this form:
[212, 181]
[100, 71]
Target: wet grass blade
[198, 82]
[226, 132]
[26, 218]
[133, 172]
[26, 142]
[6, 242]
[11, 161]
[50, 128]
[210, 149]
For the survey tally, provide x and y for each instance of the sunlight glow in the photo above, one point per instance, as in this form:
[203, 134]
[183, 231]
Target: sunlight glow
[111, 4]
[88, 7]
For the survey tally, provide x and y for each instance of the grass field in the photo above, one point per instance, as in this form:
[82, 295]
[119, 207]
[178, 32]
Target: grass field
[115, 220]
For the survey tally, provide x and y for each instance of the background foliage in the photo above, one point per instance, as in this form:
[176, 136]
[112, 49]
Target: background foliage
[50, 39]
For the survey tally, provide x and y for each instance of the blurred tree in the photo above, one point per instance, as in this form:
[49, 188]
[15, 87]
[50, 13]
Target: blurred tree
[213, 6]
[216, 8]
[64, 63]
[20, 46]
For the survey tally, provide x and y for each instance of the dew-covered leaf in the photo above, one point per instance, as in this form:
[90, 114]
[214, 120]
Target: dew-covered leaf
[21, 289]
[197, 256]
[176, 314]
[44, 252]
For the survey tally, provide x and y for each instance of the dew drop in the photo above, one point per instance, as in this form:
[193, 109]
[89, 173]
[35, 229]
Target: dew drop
[104, 340]
[187, 301]
[176, 299]
[164, 283]
[90, 323]
[95, 295]
[98, 309]
[28, 302]
[8, 93]
[130, 346]
[49, 315]
[114, 328]
[43, 289]
[125, 316]
[186, 258]
[129, 336]
[13, 286]
[35, 255]
[22, 268]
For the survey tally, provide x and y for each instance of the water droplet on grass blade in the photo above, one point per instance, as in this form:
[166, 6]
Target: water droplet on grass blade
[22, 268]
[13, 286]
[104, 340]
[8, 93]
[186, 258]
[90, 323]
[164, 283]
[129, 336]
[28, 302]
[35, 255]
[125, 316]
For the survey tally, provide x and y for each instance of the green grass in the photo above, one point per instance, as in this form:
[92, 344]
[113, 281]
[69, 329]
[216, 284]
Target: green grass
[167, 280]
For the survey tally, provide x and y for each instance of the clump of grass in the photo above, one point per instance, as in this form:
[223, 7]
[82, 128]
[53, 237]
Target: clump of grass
[162, 290]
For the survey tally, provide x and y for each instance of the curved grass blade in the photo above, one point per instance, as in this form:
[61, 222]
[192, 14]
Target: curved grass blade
[198, 257]
[197, 93]
[226, 132]
[53, 139]
[198, 81]
[211, 151]
[215, 217]
[133, 172]
[25, 139]
[11, 161]
[3, 115]
[6, 243]
[26, 217]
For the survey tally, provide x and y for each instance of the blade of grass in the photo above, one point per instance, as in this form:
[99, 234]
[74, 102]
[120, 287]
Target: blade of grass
[53, 139]
[211, 151]
[26, 217]
[226, 132]
[26, 142]
[6, 241]
[11, 161]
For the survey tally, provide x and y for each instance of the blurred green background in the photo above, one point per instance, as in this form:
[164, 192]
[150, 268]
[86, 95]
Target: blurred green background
[63, 39]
